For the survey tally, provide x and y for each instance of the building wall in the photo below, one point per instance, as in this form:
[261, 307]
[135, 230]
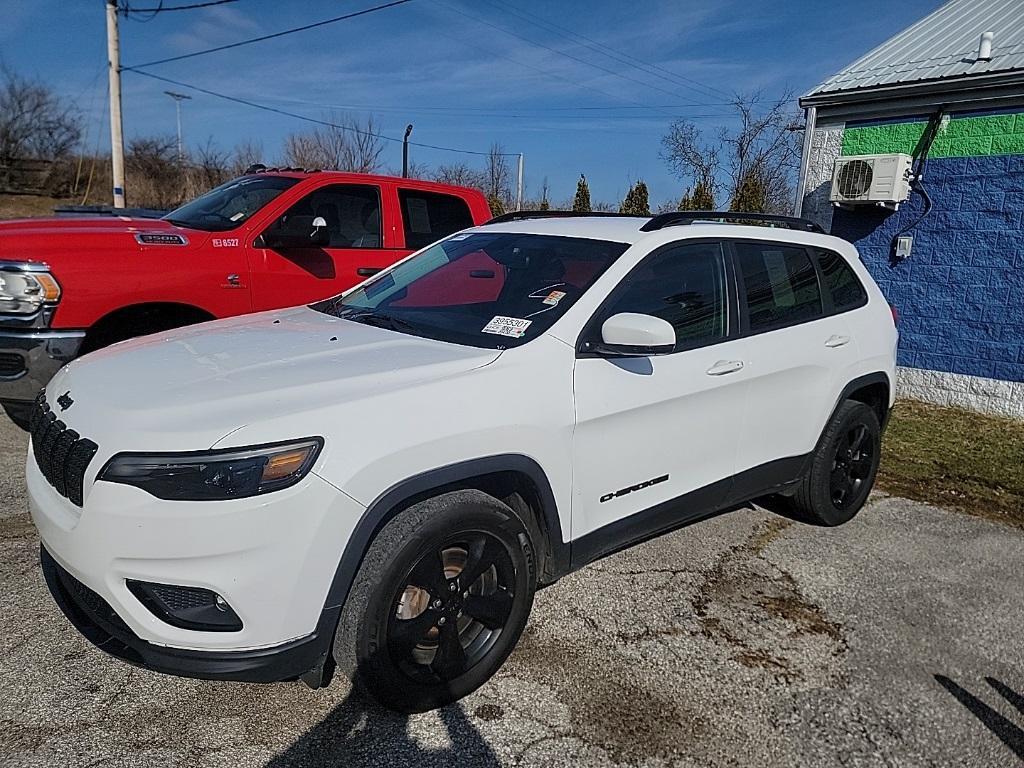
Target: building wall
[961, 293]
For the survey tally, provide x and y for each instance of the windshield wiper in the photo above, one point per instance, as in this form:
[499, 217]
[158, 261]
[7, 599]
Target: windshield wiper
[388, 322]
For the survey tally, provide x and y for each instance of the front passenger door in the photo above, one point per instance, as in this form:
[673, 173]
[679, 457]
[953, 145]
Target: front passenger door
[300, 275]
[651, 429]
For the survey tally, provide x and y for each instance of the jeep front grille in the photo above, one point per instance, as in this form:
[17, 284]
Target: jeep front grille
[61, 453]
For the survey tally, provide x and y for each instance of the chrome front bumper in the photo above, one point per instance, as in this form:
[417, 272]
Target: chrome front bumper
[29, 358]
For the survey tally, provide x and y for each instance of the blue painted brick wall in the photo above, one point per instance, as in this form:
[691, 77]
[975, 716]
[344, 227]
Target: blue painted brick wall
[961, 293]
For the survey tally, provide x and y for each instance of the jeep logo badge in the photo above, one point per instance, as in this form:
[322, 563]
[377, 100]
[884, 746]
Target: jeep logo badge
[65, 401]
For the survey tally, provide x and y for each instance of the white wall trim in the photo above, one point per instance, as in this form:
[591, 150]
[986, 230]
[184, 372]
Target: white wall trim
[974, 393]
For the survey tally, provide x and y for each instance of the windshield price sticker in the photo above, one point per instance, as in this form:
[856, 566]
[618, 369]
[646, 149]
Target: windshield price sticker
[554, 297]
[513, 327]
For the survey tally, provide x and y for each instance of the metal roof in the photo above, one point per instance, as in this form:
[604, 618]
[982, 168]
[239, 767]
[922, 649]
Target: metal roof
[943, 44]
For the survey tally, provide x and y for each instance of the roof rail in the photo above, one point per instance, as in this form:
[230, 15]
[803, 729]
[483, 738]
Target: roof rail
[521, 215]
[674, 218]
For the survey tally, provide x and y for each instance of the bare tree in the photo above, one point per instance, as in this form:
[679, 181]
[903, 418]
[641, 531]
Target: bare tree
[210, 166]
[365, 146]
[35, 124]
[460, 175]
[155, 177]
[762, 152]
[245, 154]
[498, 176]
[346, 144]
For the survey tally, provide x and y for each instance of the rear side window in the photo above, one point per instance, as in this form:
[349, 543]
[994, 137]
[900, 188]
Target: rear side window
[780, 284]
[841, 281]
[429, 216]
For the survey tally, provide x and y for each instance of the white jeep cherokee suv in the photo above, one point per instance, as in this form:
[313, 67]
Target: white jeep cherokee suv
[380, 481]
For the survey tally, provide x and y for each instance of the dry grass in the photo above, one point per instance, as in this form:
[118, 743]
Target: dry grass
[20, 206]
[955, 458]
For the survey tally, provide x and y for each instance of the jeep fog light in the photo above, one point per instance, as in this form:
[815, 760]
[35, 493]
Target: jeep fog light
[193, 608]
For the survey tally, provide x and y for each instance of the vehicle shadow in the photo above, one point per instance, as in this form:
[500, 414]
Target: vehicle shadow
[359, 732]
[1010, 734]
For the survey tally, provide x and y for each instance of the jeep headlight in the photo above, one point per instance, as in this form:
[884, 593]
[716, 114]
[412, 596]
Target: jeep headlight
[231, 473]
[24, 291]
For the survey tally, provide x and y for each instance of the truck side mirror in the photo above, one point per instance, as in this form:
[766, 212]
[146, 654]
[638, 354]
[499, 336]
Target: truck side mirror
[298, 232]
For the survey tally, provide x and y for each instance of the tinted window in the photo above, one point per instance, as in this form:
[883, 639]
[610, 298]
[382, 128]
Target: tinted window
[352, 213]
[684, 285]
[429, 216]
[841, 281]
[781, 285]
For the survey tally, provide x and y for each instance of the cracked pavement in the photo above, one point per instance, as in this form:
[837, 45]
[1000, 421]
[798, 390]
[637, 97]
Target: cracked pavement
[747, 639]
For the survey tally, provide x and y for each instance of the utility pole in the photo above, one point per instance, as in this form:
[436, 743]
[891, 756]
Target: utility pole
[519, 185]
[405, 151]
[116, 134]
[178, 98]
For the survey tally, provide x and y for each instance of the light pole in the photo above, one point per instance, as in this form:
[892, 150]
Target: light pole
[178, 98]
[405, 151]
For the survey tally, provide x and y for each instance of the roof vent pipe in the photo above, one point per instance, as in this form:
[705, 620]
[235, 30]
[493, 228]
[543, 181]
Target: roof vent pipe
[985, 47]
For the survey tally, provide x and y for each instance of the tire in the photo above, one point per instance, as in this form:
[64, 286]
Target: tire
[413, 634]
[843, 467]
[19, 414]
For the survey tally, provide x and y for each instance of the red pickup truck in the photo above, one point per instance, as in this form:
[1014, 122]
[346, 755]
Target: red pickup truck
[268, 239]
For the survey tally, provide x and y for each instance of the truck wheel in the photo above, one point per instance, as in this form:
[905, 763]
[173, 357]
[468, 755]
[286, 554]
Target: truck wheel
[19, 414]
[439, 601]
[843, 467]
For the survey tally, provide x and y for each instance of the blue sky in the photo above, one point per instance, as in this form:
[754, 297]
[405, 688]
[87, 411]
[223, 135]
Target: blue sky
[464, 72]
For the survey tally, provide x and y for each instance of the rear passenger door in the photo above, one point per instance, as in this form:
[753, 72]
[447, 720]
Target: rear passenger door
[358, 248]
[797, 352]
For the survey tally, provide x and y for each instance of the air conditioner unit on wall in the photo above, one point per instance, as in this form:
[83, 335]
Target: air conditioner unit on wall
[871, 180]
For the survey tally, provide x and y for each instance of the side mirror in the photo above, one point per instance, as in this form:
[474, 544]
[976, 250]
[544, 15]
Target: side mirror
[298, 232]
[629, 334]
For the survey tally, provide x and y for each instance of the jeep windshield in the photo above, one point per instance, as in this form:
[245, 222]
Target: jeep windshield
[227, 206]
[489, 289]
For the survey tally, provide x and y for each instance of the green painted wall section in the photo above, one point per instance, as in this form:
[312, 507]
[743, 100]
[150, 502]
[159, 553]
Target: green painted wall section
[960, 137]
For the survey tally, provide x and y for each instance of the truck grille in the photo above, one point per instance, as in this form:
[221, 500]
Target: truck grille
[11, 364]
[61, 453]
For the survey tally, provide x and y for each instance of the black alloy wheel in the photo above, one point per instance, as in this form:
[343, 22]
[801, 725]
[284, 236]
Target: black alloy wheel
[842, 468]
[453, 607]
[852, 465]
[440, 600]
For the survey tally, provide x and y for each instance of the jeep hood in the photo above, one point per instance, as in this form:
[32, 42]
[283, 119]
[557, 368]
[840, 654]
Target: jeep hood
[186, 389]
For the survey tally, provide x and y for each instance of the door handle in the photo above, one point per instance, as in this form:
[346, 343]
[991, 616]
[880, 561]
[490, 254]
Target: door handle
[837, 341]
[368, 271]
[723, 367]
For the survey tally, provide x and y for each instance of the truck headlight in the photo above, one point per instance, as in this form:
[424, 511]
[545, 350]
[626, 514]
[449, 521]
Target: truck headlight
[24, 290]
[231, 473]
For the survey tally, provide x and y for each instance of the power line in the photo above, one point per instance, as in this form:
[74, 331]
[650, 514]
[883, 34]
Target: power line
[558, 52]
[272, 36]
[559, 113]
[548, 73]
[327, 123]
[612, 53]
[160, 8]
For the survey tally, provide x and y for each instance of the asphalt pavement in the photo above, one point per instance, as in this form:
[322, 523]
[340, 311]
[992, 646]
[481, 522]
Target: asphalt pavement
[748, 639]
